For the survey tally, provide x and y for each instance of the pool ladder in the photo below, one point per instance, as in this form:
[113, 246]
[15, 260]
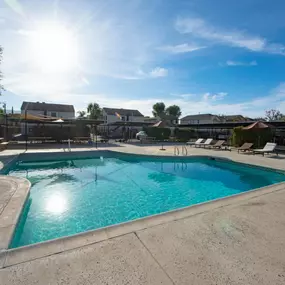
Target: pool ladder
[177, 166]
[184, 151]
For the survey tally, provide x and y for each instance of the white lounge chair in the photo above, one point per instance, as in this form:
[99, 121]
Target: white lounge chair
[268, 148]
[197, 142]
[206, 143]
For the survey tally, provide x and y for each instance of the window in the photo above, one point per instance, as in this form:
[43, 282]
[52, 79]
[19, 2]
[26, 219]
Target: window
[53, 114]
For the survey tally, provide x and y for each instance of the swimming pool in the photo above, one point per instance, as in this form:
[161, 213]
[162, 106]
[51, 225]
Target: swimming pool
[70, 196]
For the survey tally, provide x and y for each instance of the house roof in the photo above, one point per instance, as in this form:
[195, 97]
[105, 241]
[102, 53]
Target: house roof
[225, 118]
[236, 118]
[199, 117]
[42, 106]
[162, 124]
[123, 112]
[258, 125]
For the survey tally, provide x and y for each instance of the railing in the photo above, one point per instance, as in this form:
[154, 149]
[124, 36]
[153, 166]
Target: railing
[179, 165]
[183, 166]
[176, 150]
[184, 150]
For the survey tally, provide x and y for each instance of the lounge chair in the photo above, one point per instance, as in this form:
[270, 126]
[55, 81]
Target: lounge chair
[197, 142]
[268, 148]
[218, 144]
[206, 143]
[245, 147]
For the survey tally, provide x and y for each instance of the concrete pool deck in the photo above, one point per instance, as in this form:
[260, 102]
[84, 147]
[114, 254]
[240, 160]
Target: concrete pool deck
[236, 240]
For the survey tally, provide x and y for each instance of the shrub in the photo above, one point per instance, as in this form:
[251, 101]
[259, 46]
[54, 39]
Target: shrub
[184, 135]
[259, 137]
[158, 133]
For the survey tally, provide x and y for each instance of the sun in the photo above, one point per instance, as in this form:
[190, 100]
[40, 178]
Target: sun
[54, 48]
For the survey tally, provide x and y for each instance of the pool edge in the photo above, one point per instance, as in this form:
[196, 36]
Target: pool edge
[9, 216]
[18, 255]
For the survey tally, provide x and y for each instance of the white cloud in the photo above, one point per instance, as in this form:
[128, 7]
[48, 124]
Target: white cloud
[182, 48]
[185, 96]
[140, 74]
[34, 83]
[158, 72]
[215, 96]
[199, 28]
[240, 63]
[189, 103]
[27, 33]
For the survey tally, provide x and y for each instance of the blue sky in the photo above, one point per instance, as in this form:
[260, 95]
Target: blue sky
[222, 56]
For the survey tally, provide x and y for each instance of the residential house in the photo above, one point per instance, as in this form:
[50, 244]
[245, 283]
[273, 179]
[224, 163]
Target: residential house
[48, 109]
[200, 119]
[235, 118]
[151, 120]
[112, 115]
[212, 119]
[42, 109]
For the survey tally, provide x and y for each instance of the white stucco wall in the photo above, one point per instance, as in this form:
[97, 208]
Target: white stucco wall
[113, 118]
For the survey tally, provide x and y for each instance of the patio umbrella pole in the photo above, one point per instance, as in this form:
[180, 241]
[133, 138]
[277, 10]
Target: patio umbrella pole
[96, 136]
[162, 148]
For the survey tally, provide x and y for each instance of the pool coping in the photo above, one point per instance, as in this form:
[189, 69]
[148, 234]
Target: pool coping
[20, 188]
[9, 257]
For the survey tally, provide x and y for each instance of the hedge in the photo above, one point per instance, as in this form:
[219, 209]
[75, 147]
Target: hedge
[259, 137]
[158, 133]
[184, 135]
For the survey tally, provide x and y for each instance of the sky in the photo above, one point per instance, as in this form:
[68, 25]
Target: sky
[220, 57]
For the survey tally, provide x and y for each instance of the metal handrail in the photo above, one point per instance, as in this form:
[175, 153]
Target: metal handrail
[184, 151]
[176, 150]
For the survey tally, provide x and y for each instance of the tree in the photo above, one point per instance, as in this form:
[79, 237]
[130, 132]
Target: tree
[81, 114]
[273, 115]
[261, 119]
[1, 86]
[173, 110]
[158, 109]
[94, 111]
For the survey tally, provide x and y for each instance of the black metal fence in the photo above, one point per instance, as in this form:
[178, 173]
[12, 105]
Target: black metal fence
[20, 129]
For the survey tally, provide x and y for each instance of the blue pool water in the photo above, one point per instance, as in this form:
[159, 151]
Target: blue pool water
[73, 196]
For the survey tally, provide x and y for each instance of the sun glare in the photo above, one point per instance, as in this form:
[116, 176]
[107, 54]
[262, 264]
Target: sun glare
[54, 48]
[56, 204]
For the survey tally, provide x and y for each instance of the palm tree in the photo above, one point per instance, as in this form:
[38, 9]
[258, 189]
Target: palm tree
[94, 111]
[81, 114]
